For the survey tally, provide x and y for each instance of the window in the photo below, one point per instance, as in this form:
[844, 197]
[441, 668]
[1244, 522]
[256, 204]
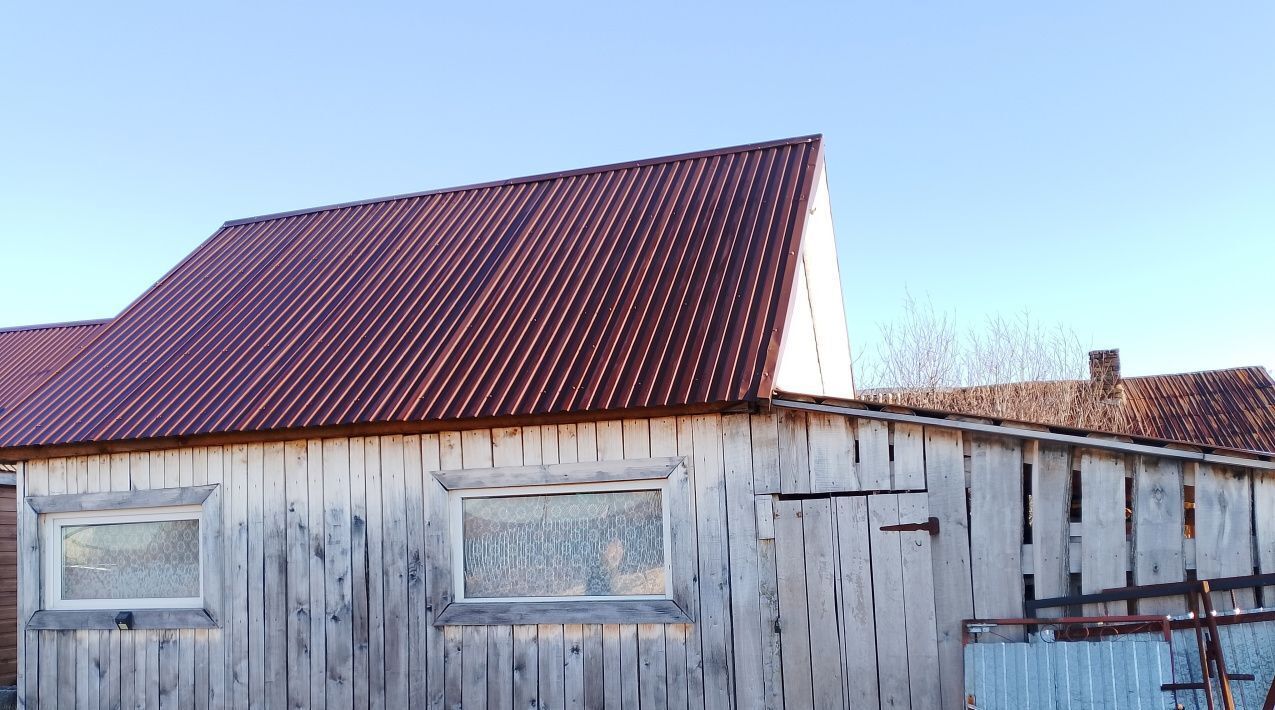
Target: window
[590, 542]
[144, 558]
[137, 559]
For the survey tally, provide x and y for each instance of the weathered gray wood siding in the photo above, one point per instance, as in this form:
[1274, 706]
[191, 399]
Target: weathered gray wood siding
[800, 601]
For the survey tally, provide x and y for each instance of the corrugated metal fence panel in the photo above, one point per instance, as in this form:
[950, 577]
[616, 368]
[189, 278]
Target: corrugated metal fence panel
[1249, 648]
[1088, 675]
[648, 284]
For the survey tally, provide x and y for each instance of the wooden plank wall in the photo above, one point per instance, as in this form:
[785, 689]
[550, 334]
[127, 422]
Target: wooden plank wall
[8, 585]
[327, 596]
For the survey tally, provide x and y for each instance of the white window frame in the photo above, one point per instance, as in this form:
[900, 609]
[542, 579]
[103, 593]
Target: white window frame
[445, 490]
[53, 524]
[456, 501]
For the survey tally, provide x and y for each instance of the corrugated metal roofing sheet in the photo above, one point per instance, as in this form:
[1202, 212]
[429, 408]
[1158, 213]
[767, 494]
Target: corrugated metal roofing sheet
[30, 354]
[647, 284]
[1075, 675]
[1234, 408]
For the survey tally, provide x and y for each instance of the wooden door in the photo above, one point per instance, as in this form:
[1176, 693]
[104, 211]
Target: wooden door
[856, 603]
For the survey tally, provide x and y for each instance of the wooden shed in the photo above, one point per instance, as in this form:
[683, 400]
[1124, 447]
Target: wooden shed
[28, 356]
[580, 440]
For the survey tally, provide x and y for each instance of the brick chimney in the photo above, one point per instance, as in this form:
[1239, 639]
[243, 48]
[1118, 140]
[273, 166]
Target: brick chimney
[1104, 373]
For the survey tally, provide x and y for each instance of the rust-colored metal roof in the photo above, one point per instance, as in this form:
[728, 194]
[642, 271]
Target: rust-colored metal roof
[30, 354]
[1233, 408]
[655, 283]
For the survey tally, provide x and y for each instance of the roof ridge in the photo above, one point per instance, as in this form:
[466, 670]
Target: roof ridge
[658, 160]
[53, 326]
[1196, 372]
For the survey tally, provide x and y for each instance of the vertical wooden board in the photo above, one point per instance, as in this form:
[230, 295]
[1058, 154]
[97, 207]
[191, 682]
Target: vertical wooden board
[185, 637]
[629, 667]
[765, 441]
[610, 441]
[821, 573]
[611, 666]
[918, 602]
[950, 552]
[587, 441]
[377, 570]
[86, 683]
[552, 677]
[794, 454]
[395, 571]
[239, 571]
[594, 666]
[500, 667]
[637, 438]
[741, 527]
[453, 667]
[874, 454]
[1224, 529]
[694, 652]
[1158, 529]
[830, 438]
[996, 529]
[200, 645]
[426, 538]
[652, 676]
[573, 665]
[168, 669]
[794, 617]
[907, 470]
[361, 634]
[1263, 503]
[214, 469]
[28, 573]
[1051, 520]
[714, 561]
[474, 667]
[889, 602]
[450, 457]
[274, 535]
[568, 445]
[1103, 551]
[255, 574]
[338, 592]
[854, 592]
[526, 673]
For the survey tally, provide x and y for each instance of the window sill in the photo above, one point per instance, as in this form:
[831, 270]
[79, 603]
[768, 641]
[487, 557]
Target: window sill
[644, 611]
[65, 619]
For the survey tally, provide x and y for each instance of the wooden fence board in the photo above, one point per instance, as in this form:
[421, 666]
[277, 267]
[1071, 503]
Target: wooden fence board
[918, 601]
[888, 602]
[996, 530]
[874, 454]
[1102, 546]
[821, 604]
[954, 596]
[1051, 520]
[794, 615]
[1158, 524]
[831, 454]
[858, 626]
[1224, 529]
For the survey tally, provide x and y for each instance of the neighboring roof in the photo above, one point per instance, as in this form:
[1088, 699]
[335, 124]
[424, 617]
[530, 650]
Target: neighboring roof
[655, 283]
[1233, 408]
[30, 354]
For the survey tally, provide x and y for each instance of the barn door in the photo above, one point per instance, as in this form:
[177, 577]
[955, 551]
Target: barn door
[856, 602]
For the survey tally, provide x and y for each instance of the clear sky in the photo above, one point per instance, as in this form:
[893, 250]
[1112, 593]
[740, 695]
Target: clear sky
[1110, 166]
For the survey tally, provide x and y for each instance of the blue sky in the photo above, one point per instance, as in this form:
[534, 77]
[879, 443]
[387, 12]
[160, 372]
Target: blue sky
[1110, 166]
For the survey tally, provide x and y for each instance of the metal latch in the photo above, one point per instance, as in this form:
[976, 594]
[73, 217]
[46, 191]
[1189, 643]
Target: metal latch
[930, 526]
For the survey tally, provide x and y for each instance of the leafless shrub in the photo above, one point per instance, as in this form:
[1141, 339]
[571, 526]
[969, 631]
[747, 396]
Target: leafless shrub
[1005, 368]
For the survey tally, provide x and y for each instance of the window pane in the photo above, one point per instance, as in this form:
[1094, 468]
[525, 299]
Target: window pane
[577, 544]
[148, 560]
